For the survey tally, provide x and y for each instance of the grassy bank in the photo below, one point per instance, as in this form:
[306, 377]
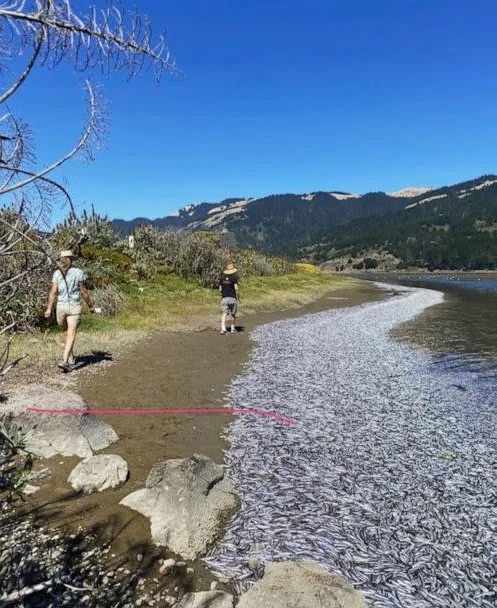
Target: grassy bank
[174, 304]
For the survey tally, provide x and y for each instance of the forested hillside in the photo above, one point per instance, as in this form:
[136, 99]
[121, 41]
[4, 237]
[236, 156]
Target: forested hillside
[455, 230]
[273, 224]
[449, 227]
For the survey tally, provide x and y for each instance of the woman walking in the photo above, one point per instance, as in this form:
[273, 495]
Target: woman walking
[68, 287]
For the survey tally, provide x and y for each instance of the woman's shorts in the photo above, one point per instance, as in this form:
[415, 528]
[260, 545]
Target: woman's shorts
[228, 306]
[68, 314]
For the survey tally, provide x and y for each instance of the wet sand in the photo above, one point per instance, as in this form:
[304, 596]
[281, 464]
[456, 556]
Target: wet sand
[169, 370]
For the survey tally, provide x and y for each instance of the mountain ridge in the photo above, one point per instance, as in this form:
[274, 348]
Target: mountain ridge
[450, 229]
[284, 223]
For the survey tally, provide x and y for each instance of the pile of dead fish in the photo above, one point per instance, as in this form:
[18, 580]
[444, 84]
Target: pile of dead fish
[389, 476]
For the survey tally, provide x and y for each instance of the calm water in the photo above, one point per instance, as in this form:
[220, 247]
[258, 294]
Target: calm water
[462, 331]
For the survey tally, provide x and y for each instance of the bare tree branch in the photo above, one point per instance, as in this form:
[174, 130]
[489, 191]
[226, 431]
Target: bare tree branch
[90, 130]
[102, 37]
[26, 72]
[45, 33]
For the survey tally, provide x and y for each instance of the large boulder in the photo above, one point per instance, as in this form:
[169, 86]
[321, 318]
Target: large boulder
[301, 585]
[68, 434]
[99, 473]
[206, 599]
[187, 500]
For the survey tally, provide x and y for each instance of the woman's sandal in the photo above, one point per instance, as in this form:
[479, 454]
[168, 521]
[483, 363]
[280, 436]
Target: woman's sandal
[65, 367]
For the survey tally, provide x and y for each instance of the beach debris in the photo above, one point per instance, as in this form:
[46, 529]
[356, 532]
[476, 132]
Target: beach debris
[388, 479]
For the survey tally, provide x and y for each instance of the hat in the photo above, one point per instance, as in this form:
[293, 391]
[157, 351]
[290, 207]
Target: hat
[65, 253]
[230, 269]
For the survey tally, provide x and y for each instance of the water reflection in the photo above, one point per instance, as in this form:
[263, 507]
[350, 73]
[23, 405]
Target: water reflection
[462, 330]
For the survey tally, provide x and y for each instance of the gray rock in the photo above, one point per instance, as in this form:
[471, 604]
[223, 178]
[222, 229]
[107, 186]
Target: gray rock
[206, 599]
[187, 501]
[50, 434]
[99, 473]
[301, 585]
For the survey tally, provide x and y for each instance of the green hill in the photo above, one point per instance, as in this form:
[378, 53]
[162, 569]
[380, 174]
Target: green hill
[455, 228]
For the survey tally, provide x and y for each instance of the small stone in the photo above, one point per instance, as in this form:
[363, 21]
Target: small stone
[214, 585]
[29, 489]
[139, 557]
[167, 566]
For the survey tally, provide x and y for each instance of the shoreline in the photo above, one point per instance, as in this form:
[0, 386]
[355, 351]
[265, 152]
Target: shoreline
[362, 275]
[386, 470]
[167, 370]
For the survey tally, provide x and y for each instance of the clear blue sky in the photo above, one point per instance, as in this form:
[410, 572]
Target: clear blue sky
[285, 96]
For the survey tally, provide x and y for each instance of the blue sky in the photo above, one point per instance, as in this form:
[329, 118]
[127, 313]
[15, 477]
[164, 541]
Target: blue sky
[284, 96]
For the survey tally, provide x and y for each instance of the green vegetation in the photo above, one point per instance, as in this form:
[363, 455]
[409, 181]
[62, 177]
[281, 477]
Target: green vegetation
[455, 231]
[447, 228]
[174, 304]
[276, 223]
[163, 280]
[15, 461]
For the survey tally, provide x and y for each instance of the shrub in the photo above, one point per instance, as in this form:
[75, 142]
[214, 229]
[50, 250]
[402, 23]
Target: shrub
[154, 251]
[250, 262]
[310, 268]
[103, 266]
[263, 266]
[109, 299]
[199, 258]
[15, 461]
[370, 263]
[92, 228]
[24, 273]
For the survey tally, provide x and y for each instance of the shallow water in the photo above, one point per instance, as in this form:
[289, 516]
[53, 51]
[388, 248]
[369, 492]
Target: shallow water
[389, 476]
[462, 330]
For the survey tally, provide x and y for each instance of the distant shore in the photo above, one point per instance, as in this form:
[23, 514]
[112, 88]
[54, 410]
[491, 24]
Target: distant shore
[361, 274]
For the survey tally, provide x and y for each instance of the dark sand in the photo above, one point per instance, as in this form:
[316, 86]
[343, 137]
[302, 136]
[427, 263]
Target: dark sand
[168, 370]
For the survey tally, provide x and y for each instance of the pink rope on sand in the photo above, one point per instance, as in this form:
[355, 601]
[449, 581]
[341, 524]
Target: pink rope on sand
[179, 410]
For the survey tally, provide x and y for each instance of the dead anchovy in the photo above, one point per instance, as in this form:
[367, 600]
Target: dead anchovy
[389, 476]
